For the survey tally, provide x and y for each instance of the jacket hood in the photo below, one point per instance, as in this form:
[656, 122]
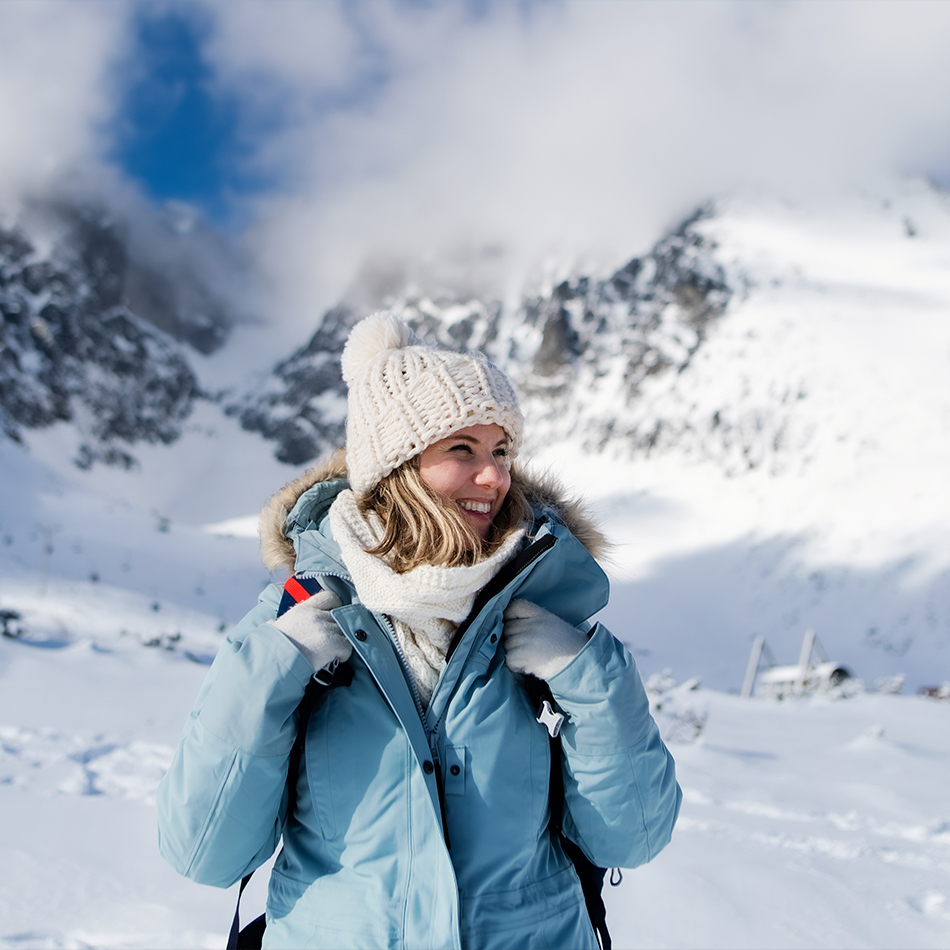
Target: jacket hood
[544, 493]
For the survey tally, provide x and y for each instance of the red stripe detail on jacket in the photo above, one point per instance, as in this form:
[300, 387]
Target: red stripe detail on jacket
[296, 589]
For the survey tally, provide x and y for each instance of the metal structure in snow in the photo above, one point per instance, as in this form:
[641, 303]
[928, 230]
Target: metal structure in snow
[801, 679]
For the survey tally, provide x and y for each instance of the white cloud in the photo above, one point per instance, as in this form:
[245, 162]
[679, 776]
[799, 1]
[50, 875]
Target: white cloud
[554, 129]
[54, 87]
[567, 128]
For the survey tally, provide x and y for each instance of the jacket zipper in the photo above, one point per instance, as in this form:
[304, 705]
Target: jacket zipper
[417, 699]
[314, 575]
[494, 587]
[497, 584]
[430, 736]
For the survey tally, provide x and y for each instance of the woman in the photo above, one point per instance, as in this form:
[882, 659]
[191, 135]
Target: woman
[422, 809]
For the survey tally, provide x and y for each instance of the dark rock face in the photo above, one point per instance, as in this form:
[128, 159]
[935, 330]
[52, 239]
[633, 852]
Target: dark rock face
[303, 404]
[578, 354]
[596, 342]
[71, 349]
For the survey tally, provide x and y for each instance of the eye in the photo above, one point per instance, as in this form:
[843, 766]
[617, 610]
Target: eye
[502, 452]
[461, 447]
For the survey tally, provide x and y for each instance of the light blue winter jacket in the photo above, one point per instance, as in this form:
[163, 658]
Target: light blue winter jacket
[364, 860]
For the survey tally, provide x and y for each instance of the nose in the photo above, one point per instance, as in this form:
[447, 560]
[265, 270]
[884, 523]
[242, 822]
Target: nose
[491, 474]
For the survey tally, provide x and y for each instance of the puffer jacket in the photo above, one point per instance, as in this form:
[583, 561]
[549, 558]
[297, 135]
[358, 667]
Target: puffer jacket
[365, 859]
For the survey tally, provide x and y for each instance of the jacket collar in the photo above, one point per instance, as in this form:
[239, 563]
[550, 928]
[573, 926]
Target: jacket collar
[572, 585]
[308, 528]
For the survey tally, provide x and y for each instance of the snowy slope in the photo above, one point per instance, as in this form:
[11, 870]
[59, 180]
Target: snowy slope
[804, 824]
[797, 480]
[801, 479]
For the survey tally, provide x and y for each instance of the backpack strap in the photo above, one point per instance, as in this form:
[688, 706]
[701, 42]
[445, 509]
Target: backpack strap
[296, 590]
[591, 876]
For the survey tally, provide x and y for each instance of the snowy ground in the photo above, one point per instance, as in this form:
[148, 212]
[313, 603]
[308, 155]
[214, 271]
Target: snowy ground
[805, 824]
[810, 823]
[86, 732]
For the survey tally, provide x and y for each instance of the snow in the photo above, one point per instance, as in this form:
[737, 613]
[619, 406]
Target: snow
[817, 501]
[819, 498]
[809, 823]
[87, 731]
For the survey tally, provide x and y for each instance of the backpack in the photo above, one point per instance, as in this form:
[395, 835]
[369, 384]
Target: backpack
[301, 587]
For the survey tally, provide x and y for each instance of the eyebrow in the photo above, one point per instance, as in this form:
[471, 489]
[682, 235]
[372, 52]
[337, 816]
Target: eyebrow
[472, 439]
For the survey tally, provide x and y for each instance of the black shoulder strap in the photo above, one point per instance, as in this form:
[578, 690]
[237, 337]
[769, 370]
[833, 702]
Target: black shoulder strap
[251, 937]
[591, 876]
[295, 590]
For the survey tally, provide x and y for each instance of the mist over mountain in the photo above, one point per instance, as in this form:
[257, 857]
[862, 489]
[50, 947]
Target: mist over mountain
[579, 352]
[756, 407]
[100, 319]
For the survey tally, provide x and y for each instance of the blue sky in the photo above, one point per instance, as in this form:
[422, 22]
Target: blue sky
[175, 132]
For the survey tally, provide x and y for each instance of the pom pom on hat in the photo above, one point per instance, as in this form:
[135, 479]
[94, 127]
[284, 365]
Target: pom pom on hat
[376, 334]
[404, 396]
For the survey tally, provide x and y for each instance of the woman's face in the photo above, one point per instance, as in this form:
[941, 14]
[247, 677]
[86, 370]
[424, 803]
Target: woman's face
[470, 467]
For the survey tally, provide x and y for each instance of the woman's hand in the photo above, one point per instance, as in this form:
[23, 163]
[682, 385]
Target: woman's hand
[538, 642]
[311, 628]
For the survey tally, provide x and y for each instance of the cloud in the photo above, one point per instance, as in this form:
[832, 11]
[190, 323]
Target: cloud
[564, 128]
[55, 88]
[496, 136]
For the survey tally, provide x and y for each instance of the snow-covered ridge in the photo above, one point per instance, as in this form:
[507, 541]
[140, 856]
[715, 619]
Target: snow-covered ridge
[579, 352]
[759, 405]
[99, 328]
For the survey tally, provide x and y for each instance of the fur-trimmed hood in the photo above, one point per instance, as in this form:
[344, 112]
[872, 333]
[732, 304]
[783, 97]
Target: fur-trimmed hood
[544, 494]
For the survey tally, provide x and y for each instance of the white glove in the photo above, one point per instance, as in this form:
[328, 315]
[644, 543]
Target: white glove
[538, 642]
[313, 631]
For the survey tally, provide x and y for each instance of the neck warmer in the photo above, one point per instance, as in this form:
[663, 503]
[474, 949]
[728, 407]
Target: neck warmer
[426, 604]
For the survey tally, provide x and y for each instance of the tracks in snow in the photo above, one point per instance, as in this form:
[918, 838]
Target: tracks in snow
[50, 762]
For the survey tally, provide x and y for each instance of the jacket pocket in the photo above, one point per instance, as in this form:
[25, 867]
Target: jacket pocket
[319, 773]
[333, 911]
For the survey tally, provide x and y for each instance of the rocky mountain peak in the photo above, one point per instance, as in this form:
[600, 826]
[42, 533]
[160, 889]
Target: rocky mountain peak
[90, 332]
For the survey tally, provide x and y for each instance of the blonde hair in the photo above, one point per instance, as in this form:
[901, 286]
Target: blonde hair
[422, 528]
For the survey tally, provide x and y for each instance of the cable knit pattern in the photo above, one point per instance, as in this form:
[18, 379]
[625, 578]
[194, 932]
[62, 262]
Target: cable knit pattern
[426, 604]
[404, 395]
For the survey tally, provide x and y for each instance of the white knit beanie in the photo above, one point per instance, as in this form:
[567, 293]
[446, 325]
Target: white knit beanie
[404, 395]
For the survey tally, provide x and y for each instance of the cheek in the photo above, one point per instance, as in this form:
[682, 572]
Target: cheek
[503, 488]
[443, 479]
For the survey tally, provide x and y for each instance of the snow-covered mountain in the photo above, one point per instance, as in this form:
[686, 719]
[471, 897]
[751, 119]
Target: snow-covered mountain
[579, 352]
[99, 326]
[759, 406]
[759, 410]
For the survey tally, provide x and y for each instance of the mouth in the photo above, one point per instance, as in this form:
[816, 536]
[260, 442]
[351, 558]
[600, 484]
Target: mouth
[476, 507]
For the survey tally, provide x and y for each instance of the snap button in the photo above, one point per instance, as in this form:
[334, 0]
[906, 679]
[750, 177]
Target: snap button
[428, 767]
[361, 635]
[455, 770]
[494, 638]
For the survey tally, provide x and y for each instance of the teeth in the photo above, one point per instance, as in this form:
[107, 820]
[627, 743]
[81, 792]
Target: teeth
[482, 507]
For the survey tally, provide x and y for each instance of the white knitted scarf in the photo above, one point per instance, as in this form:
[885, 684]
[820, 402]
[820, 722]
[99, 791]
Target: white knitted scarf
[426, 604]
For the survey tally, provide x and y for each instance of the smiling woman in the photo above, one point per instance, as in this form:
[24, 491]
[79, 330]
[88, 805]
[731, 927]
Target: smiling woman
[451, 505]
[431, 807]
